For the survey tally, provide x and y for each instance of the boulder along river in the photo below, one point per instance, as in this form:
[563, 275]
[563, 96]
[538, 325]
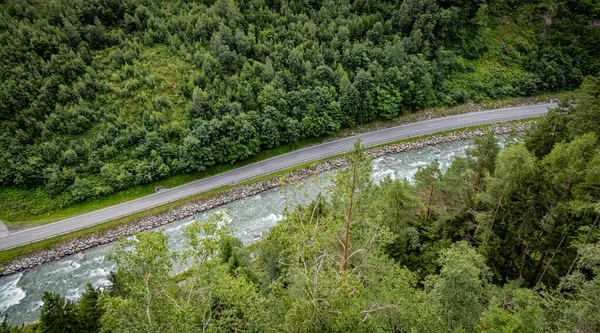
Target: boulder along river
[20, 293]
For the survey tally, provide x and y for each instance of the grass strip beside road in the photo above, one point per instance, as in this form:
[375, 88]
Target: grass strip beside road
[7, 256]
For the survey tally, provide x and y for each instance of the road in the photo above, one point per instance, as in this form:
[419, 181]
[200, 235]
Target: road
[268, 166]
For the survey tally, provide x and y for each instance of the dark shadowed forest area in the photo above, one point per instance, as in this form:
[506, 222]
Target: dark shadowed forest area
[98, 96]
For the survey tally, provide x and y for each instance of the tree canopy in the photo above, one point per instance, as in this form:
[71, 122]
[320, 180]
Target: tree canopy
[503, 241]
[99, 96]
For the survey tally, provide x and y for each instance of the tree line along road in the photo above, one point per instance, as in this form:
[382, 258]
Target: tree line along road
[268, 166]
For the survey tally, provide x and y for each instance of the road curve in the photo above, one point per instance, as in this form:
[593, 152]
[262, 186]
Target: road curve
[268, 166]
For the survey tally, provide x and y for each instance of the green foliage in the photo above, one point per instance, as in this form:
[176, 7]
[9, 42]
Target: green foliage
[518, 252]
[210, 299]
[584, 114]
[58, 314]
[514, 309]
[566, 166]
[458, 289]
[483, 156]
[101, 96]
[574, 117]
[581, 309]
[546, 132]
[89, 311]
[7, 328]
[98, 97]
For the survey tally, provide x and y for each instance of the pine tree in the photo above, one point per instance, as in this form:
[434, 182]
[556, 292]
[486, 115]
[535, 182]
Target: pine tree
[58, 315]
[88, 310]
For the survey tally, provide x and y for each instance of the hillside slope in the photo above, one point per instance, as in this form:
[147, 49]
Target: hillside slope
[99, 96]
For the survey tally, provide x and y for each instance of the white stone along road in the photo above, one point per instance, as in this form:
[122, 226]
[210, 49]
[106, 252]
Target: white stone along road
[268, 166]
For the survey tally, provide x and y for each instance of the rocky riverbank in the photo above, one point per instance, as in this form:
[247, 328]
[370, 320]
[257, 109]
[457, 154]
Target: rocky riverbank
[190, 208]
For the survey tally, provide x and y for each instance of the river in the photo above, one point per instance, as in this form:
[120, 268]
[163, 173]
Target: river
[20, 293]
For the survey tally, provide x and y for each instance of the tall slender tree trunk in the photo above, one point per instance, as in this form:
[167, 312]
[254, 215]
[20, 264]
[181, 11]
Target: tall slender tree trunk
[523, 240]
[540, 263]
[478, 178]
[584, 243]
[552, 258]
[428, 214]
[148, 301]
[349, 215]
[554, 132]
[523, 260]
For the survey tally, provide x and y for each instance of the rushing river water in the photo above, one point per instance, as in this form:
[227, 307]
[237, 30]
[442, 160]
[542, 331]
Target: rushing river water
[20, 293]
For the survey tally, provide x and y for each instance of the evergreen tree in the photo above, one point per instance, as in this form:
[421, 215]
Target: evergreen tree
[483, 156]
[7, 328]
[89, 311]
[458, 289]
[57, 314]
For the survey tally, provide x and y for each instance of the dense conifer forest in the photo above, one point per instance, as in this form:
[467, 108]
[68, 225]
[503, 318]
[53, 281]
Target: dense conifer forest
[97, 96]
[504, 241]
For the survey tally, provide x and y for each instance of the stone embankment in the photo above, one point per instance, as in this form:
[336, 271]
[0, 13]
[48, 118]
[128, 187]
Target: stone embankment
[190, 208]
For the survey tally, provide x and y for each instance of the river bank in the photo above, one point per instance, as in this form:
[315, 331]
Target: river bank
[190, 208]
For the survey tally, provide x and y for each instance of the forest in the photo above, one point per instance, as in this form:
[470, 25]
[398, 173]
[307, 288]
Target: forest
[98, 96]
[506, 240]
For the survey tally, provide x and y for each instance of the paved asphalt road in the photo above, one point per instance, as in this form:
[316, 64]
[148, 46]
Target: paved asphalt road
[268, 166]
